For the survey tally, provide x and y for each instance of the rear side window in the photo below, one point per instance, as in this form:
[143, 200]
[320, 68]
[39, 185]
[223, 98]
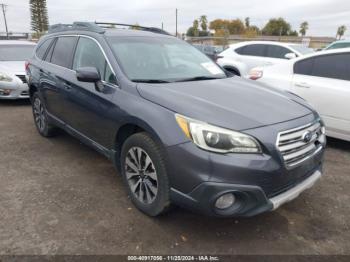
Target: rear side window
[41, 50]
[50, 51]
[252, 50]
[275, 51]
[63, 51]
[304, 67]
[335, 66]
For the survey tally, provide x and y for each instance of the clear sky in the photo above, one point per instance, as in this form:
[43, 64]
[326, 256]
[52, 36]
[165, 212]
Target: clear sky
[324, 16]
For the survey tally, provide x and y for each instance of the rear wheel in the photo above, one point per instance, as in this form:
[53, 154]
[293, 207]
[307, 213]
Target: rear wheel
[40, 117]
[144, 172]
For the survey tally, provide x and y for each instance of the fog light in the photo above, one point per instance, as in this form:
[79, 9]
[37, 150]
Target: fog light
[225, 201]
[5, 92]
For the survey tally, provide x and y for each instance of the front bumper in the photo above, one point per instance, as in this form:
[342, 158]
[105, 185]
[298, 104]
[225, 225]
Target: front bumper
[250, 200]
[17, 90]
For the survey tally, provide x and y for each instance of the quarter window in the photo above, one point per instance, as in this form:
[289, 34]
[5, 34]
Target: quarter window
[41, 50]
[89, 54]
[63, 51]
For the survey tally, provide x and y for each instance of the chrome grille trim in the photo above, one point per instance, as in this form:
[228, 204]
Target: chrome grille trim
[294, 149]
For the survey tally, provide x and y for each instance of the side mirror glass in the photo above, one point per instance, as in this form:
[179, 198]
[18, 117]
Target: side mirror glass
[290, 56]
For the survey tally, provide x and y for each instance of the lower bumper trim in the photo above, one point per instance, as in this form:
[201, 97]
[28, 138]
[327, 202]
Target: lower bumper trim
[294, 192]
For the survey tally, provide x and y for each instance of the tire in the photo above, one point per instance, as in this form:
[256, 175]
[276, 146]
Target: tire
[146, 179]
[41, 120]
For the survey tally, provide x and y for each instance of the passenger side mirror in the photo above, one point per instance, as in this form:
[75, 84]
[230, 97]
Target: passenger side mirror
[290, 56]
[90, 75]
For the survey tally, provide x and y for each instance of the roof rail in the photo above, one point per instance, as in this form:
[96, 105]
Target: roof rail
[87, 26]
[136, 27]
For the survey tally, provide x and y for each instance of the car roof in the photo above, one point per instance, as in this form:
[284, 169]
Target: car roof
[263, 42]
[324, 52]
[341, 41]
[131, 32]
[16, 42]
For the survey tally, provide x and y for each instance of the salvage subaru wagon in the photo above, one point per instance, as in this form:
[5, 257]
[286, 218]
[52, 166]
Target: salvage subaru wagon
[177, 127]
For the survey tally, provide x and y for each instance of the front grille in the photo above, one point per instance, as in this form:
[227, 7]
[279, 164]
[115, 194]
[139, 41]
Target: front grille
[23, 78]
[298, 144]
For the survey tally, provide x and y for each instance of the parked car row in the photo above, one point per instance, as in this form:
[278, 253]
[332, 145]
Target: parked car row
[178, 127]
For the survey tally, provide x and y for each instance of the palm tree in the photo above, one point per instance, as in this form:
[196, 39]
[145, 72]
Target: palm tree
[204, 22]
[341, 31]
[303, 28]
[195, 28]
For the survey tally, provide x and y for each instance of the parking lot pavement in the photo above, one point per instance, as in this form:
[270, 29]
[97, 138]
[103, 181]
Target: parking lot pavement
[58, 196]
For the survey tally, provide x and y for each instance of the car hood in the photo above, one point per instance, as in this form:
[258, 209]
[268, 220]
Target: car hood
[12, 66]
[231, 103]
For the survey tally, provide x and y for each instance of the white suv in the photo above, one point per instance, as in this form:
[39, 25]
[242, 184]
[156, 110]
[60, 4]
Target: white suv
[13, 54]
[240, 58]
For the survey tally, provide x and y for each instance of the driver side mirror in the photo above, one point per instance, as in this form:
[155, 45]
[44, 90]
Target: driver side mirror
[290, 56]
[90, 75]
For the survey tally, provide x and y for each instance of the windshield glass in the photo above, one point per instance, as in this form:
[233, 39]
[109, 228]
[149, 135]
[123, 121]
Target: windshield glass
[162, 59]
[302, 49]
[16, 52]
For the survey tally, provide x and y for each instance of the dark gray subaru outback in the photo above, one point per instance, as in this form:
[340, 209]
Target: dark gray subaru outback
[177, 127]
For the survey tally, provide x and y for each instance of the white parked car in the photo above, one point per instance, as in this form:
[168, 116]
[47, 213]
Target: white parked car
[13, 54]
[240, 58]
[323, 79]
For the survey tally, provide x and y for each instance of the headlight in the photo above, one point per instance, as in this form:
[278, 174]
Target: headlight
[5, 78]
[217, 139]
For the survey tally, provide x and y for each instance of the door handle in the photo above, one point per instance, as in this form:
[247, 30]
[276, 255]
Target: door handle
[302, 85]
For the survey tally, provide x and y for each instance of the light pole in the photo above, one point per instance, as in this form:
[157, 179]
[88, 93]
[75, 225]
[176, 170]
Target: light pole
[3, 6]
[176, 21]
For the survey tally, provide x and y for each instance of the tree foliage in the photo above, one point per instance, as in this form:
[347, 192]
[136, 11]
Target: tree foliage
[203, 20]
[39, 16]
[341, 31]
[201, 23]
[276, 27]
[303, 28]
[234, 27]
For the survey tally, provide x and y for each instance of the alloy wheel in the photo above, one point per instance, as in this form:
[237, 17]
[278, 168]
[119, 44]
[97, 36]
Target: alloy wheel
[39, 114]
[141, 175]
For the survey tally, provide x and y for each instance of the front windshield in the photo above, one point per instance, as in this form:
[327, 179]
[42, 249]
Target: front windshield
[162, 59]
[302, 49]
[16, 52]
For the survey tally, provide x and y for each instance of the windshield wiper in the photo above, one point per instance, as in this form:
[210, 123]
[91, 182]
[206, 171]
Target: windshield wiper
[155, 81]
[198, 78]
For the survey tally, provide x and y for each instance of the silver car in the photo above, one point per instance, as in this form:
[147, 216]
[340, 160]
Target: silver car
[13, 54]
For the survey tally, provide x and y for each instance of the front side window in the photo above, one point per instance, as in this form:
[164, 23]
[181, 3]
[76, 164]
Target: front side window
[162, 59]
[62, 53]
[89, 54]
[275, 51]
[16, 52]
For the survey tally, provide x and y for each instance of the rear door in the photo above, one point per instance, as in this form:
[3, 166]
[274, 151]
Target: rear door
[56, 71]
[324, 81]
[252, 55]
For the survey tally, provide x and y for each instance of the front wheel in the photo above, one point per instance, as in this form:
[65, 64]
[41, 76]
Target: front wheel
[40, 117]
[144, 173]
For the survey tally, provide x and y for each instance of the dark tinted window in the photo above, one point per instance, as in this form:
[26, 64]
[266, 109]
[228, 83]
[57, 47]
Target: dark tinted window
[62, 54]
[50, 51]
[304, 67]
[89, 54]
[332, 66]
[252, 50]
[275, 51]
[16, 52]
[41, 50]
